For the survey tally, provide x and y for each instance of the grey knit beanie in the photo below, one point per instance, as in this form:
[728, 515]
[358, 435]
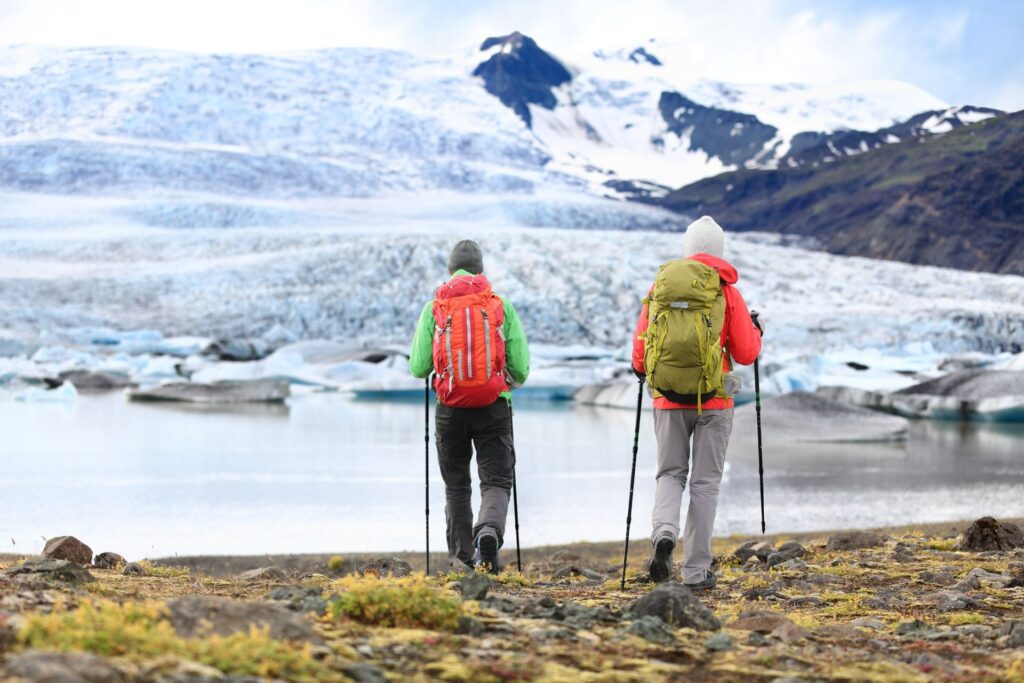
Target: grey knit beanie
[466, 255]
[704, 236]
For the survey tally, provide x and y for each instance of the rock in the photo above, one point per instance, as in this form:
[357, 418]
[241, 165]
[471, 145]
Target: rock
[134, 569]
[763, 593]
[720, 642]
[756, 639]
[869, 623]
[988, 534]
[216, 393]
[8, 632]
[805, 601]
[474, 586]
[60, 667]
[940, 578]
[676, 605]
[975, 630]
[577, 570]
[383, 567]
[784, 555]
[839, 632]
[52, 570]
[470, 626]
[985, 576]
[108, 561]
[200, 615]
[970, 583]
[914, 628]
[853, 540]
[793, 565]
[68, 548]
[763, 550]
[267, 574]
[903, 556]
[361, 672]
[745, 551]
[299, 598]
[762, 621]
[651, 629]
[886, 600]
[1011, 634]
[789, 633]
[949, 600]
[793, 548]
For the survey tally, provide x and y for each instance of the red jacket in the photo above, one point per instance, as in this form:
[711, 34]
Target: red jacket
[740, 338]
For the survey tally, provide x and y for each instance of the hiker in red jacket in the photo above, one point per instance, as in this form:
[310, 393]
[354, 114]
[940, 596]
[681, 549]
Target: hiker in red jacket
[708, 423]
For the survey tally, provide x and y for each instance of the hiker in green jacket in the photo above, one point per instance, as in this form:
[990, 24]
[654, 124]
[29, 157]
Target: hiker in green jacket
[473, 342]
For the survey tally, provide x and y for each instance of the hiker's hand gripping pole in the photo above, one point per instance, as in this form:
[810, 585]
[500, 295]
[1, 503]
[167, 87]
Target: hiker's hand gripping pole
[757, 407]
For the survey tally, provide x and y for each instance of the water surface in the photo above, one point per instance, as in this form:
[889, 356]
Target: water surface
[329, 474]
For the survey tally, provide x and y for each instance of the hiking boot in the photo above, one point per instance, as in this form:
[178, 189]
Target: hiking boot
[709, 581]
[661, 563]
[487, 553]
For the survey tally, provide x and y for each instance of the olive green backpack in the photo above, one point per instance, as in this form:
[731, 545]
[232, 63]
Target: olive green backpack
[683, 344]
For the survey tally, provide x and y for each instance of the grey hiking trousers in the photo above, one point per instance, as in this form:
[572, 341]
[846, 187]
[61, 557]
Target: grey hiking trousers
[703, 465]
[489, 430]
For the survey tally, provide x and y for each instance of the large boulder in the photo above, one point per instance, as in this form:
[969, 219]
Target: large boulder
[68, 548]
[201, 615]
[52, 570]
[989, 534]
[59, 667]
[676, 605]
[109, 561]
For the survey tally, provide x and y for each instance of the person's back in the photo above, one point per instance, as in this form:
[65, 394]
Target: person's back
[693, 324]
[473, 342]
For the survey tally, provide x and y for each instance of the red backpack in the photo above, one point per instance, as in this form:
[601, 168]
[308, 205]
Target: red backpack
[469, 343]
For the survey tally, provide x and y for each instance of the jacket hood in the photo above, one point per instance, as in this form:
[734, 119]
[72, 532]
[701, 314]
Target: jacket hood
[726, 271]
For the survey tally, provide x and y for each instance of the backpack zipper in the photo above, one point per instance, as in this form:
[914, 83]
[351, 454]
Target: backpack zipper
[469, 340]
[487, 341]
[448, 350]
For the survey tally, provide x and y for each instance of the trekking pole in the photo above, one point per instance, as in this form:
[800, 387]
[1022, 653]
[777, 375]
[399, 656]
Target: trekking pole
[515, 493]
[757, 409]
[632, 479]
[426, 463]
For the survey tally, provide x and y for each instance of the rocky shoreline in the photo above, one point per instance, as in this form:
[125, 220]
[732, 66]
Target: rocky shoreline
[931, 602]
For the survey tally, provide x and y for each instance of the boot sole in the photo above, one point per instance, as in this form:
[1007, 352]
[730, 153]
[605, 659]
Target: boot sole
[661, 564]
[489, 554]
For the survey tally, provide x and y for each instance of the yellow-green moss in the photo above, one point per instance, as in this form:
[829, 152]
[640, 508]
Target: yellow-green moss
[140, 630]
[409, 602]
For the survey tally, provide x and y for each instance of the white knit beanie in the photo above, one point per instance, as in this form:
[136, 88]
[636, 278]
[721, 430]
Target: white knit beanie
[704, 236]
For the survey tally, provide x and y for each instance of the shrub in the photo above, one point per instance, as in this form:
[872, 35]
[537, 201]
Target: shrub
[408, 602]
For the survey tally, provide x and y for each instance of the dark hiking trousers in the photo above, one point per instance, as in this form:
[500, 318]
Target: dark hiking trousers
[489, 430]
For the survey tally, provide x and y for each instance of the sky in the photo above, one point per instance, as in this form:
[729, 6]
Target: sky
[963, 52]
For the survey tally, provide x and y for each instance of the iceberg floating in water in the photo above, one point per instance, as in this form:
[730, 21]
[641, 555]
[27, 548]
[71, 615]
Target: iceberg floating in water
[805, 417]
[973, 394]
[216, 393]
[65, 393]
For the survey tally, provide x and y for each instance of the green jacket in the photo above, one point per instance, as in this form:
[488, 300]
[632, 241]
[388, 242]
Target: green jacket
[517, 353]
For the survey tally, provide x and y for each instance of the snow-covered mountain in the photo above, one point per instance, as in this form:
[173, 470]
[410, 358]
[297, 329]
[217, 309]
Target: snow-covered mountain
[506, 118]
